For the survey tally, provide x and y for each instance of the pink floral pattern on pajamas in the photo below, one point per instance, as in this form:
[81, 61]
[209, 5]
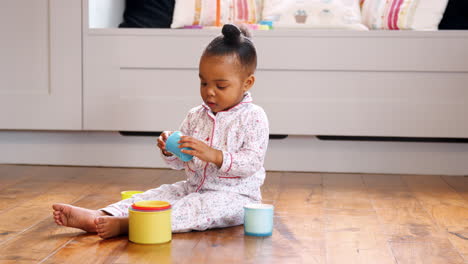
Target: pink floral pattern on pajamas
[213, 197]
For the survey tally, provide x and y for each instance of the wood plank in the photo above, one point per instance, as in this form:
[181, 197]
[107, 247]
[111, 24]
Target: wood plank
[345, 191]
[45, 236]
[270, 188]
[423, 252]
[459, 184]
[446, 207]
[398, 210]
[31, 211]
[37, 179]
[352, 229]
[299, 216]
[214, 246]
[412, 234]
[12, 174]
[300, 194]
[298, 233]
[27, 211]
[135, 253]
[460, 241]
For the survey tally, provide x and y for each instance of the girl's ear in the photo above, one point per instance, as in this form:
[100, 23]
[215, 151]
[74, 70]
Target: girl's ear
[249, 82]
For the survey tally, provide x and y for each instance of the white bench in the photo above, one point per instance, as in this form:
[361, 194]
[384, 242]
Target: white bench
[310, 82]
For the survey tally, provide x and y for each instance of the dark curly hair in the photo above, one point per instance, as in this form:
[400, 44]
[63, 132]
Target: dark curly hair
[235, 41]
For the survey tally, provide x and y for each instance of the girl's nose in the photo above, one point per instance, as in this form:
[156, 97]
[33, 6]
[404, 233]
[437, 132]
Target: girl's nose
[211, 91]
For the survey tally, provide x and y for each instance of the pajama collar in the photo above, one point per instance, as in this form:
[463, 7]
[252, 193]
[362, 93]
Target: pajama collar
[246, 100]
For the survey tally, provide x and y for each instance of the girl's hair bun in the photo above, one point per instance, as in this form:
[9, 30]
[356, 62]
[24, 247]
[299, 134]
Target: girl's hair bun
[235, 40]
[234, 34]
[231, 33]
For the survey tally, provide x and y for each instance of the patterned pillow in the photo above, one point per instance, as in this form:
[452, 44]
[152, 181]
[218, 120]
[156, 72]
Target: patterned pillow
[344, 14]
[403, 14]
[204, 12]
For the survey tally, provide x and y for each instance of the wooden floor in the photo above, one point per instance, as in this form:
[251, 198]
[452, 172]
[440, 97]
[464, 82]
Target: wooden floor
[319, 218]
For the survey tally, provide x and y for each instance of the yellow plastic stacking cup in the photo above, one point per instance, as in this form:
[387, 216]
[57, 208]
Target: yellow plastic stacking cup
[128, 194]
[149, 222]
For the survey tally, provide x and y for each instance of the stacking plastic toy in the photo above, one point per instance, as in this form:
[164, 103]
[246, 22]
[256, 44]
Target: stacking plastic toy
[128, 194]
[258, 220]
[149, 222]
[172, 146]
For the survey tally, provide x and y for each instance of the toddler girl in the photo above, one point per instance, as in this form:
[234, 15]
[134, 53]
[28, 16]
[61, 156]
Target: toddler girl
[228, 136]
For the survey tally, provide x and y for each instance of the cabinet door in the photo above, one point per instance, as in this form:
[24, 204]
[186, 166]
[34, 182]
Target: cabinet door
[40, 66]
[140, 83]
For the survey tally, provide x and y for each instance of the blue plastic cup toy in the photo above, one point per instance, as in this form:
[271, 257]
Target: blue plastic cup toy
[258, 220]
[172, 146]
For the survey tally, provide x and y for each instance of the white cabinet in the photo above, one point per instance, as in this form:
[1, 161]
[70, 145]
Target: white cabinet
[310, 82]
[40, 65]
[139, 85]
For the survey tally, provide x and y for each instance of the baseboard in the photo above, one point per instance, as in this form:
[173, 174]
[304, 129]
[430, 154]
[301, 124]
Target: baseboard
[294, 153]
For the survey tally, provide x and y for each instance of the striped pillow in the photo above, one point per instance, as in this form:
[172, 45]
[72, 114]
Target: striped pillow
[403, 14]
[213, 12]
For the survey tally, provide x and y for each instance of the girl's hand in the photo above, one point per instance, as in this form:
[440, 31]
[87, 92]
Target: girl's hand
[162, 142]
[201, 150]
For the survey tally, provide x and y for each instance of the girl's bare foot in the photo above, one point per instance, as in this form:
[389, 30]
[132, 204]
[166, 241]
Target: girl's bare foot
[111, 226]
[72, 216]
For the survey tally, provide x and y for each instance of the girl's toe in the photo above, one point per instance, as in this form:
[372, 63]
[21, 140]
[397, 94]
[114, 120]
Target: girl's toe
[58, 220]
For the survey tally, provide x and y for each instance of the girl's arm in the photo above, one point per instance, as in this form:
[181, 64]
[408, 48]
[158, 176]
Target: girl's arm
[249, 159]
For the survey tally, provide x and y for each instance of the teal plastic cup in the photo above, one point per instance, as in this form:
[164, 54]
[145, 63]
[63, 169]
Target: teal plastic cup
[172, 145]
[258, 220]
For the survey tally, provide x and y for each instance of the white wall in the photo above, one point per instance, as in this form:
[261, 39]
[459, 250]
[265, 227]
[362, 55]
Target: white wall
[106, 13]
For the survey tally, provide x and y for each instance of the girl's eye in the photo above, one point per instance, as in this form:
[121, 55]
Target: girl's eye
[221, 87]
[203, 84]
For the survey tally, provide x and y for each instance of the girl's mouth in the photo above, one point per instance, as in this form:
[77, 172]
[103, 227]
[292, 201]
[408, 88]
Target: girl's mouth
[211, 104]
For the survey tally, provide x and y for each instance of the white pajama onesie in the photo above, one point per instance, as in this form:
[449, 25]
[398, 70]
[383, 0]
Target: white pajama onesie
[213, 197]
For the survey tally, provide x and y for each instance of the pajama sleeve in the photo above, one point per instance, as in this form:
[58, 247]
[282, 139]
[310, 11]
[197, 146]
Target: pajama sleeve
[250, 157]
[173, 161]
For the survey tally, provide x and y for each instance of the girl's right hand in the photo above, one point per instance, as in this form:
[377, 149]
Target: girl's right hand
[162, 142]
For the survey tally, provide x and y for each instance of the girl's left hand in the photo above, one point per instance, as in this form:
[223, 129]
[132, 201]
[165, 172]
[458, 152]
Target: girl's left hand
[201, 150]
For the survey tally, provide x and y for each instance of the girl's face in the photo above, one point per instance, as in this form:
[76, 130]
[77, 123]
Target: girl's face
[222, 82]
